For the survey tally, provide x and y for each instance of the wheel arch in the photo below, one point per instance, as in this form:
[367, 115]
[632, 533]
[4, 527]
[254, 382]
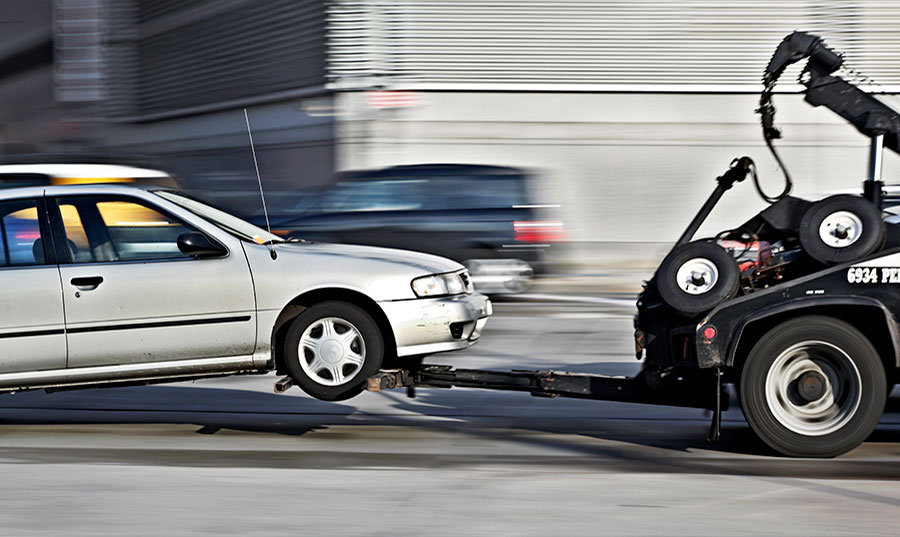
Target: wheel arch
[868, 315]
[309, 298]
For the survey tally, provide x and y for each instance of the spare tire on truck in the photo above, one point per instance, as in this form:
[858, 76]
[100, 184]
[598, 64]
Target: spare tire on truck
[841, 229]
[696, 277]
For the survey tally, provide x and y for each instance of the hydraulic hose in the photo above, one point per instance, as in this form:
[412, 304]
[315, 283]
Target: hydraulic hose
[788, 184]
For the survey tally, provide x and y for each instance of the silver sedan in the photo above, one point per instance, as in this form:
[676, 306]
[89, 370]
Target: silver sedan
[108, 284]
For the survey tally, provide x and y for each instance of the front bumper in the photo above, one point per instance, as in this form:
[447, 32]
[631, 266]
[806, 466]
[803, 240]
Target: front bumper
[430, 325]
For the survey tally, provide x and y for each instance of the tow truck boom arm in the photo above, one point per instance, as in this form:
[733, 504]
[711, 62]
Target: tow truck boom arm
[861, 109]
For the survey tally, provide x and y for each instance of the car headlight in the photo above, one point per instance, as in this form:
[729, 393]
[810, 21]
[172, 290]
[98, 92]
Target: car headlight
[455, 283]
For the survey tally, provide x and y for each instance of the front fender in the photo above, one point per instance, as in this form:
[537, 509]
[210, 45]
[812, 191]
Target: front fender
[732, 326]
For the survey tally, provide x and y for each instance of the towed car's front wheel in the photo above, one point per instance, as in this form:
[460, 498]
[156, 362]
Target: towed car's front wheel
[332, 348]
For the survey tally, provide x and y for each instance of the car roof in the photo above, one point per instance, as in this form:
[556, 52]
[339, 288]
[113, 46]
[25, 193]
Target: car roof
[59, 190]
[82, 171]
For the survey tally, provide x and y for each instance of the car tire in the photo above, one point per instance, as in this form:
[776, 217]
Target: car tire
[332, 348]
[696, 277]
[841, 229]
[813, 387]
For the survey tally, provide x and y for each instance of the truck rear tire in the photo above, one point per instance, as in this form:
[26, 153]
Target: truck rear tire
[813, 387]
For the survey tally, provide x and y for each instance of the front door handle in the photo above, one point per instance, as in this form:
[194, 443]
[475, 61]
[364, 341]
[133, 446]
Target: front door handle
[87, 283]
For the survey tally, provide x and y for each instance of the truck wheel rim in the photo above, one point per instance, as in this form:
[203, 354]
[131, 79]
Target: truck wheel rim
[841, 393]
[840, 229]
[697, 276]
[332, 351]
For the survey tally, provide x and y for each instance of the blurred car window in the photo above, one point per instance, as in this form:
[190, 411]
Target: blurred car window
[118, 230]
[476, 192]
[435, 193]
[373, 196]
[22, 242]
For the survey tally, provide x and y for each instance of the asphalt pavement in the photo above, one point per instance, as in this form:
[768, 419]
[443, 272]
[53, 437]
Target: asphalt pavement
[229, 457]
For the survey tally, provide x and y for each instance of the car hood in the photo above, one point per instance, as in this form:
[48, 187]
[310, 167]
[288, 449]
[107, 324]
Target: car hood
[427, 263]
[381, 274]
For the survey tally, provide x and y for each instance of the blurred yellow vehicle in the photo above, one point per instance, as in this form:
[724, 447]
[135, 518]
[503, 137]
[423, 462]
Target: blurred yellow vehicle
[17, 175]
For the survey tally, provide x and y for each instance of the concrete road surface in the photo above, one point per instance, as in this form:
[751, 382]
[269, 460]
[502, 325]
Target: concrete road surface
[229, 457]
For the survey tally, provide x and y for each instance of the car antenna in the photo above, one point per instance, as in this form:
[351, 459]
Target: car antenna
[259, 180]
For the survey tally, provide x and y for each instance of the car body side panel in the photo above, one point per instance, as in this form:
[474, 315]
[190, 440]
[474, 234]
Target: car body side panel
[31, 319]
[160, 310]
[157, 311]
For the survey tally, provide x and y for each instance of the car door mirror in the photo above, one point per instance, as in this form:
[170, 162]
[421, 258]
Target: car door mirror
[199, 245]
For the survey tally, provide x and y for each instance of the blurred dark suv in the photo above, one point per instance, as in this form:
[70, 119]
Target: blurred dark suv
[481, 216]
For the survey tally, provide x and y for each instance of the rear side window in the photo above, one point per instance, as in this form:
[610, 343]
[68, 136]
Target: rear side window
[119, 229]
[21, 234]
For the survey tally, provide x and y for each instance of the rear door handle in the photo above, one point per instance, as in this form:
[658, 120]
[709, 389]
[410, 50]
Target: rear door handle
[87, 283]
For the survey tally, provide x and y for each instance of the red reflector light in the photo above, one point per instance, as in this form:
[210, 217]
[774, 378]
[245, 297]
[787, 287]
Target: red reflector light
[538, 231]
[392, 99]
[709, 332]
[28, 235]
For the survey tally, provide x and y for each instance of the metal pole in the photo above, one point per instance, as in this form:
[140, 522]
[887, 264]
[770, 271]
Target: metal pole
[873, 184]
[876, 157]
[700, 217]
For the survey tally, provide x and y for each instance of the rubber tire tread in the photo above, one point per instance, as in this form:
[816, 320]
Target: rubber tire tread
[874, 229]
[371, 335]
[691, 305]
[813, 328]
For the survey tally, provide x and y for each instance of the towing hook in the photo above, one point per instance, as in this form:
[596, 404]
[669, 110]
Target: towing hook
[284, 385]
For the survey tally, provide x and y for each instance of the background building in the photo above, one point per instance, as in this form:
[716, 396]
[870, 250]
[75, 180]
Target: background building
[628, 109]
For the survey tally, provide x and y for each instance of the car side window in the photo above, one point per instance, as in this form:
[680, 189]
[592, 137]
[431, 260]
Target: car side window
[103, 229]
[20, 232]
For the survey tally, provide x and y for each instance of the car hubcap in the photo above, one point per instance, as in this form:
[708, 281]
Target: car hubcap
[697, 276]
[813, 388]
[332, 351]
[840, 229]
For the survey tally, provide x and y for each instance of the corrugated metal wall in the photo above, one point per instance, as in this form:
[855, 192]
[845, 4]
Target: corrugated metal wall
[189, 55]
[627, 45]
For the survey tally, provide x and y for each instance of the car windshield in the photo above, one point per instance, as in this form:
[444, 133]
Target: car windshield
[228, 222]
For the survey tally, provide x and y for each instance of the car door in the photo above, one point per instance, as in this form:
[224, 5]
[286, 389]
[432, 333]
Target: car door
[131, 296]
[32, 335]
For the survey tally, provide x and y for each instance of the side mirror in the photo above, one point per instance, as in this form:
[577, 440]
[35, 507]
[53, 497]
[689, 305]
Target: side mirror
[199, 245]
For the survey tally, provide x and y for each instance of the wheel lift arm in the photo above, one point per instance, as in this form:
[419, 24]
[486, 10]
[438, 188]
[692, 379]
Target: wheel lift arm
[684, 392]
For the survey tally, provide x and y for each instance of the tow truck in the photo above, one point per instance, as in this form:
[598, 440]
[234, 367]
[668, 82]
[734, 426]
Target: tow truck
[797, 307]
